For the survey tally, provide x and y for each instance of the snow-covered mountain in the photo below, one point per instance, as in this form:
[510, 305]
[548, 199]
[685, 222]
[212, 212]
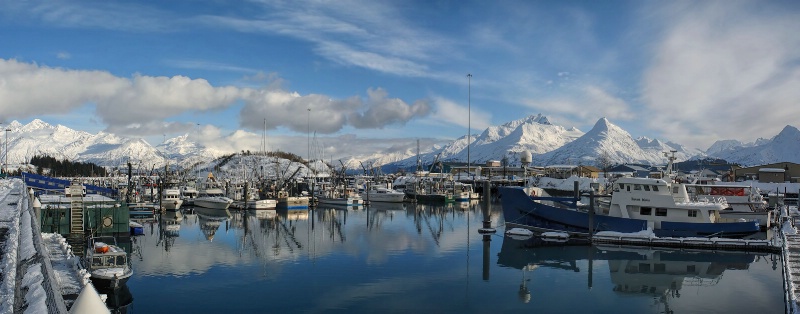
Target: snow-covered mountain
[548, 143]
[105, 149]
[608, 143]
[783, 147]
[534, 133]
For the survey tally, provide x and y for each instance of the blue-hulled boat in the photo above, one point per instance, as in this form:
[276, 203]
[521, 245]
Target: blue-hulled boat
[630, 210]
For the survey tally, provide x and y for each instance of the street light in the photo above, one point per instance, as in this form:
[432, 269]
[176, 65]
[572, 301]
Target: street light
[6, 161]
[469, 122]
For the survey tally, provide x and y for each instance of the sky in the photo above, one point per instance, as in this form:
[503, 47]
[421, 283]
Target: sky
[360, 77]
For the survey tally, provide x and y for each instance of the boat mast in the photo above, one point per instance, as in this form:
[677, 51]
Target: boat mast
[670, 165]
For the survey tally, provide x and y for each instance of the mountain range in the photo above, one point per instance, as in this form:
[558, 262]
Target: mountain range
[548, 143]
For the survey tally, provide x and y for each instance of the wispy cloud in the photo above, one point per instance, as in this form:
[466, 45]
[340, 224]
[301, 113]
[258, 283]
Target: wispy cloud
[721, 70]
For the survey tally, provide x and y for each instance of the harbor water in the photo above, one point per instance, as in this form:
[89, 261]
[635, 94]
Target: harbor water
[404, 258]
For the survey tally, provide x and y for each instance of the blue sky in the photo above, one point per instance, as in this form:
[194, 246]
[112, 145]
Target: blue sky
[377, 75]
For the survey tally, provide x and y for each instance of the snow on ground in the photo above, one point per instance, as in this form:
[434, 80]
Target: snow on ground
[9, 228]
[20, 261]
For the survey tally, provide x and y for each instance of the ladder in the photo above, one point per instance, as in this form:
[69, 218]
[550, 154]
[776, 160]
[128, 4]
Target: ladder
[76, 230]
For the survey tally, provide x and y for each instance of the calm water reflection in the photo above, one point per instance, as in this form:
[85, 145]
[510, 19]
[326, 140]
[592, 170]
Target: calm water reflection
[404, 258]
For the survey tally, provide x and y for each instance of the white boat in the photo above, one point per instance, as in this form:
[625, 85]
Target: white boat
[142, 210]
[382, 194]
[744, 201]
[338, 195]
[636, 204]
[262, 204]
[212, 196]
[171, 199]
[188, 194]
[107, 263]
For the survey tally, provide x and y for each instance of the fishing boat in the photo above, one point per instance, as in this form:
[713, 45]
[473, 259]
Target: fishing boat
[744, 201]
[637, 204]
[212, 196]
[188, 194]
[284, 201]
[107, 263]
[382, 194]
[142, 210]
[171, 199]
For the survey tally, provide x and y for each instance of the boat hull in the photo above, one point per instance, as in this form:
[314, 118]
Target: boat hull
[262, 204]
[521, 209]
[292, 202]
[104, 281]
[212, 203]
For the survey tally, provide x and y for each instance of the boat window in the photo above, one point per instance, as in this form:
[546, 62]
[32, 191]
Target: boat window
[647, 188]
[674, 190]
[97, 261]
[637, 187]
[120, 260]
[660, 268]
[628, 187]
[645, 211]
[661, 212]
[655, 188]
[692, 213]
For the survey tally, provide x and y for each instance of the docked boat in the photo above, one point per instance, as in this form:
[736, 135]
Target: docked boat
[171, 199]
[107, 263]
[637, 204]
[142, 210]
[212, 196]
[382, 194]
[744, 201]
[262, 204]
[291, 202]
[188, 194]
[329, 194]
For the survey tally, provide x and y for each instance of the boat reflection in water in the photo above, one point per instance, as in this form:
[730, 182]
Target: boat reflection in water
[119, 300]
[655, 275]
[210, 220]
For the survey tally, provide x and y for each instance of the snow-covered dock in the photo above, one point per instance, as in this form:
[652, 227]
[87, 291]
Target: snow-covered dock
[791, 260]
[647, 238]
[37, 272]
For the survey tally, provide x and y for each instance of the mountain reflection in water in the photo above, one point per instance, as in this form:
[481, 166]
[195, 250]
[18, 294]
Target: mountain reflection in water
[658, 275]
[421, 258]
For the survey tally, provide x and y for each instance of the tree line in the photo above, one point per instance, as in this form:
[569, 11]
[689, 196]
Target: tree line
[66, 168]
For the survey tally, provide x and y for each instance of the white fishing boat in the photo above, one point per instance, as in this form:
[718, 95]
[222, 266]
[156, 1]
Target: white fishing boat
[188, 194]
[107, 263]
[212, 196]
[142, 210]
[744, 201]
[262, 204]
[171, 199]
[382, 194]
[337, 195]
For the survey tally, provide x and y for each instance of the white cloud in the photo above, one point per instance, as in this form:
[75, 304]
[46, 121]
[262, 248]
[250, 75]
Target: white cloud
[450, 112]
[583, 104]
[721, 70]
[63, 55]
[139, 105]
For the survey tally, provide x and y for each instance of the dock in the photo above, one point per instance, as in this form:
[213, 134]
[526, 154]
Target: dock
[38, 272]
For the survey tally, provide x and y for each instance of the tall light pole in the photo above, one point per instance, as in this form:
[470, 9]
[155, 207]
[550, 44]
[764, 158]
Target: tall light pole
[308, 136]
[6, 162]
[469, 121]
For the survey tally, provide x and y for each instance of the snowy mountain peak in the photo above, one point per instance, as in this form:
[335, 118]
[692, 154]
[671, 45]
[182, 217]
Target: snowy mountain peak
[605, 126]
[788, 135]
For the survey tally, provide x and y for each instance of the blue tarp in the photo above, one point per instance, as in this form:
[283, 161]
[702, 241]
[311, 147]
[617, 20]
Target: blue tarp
[49, 183]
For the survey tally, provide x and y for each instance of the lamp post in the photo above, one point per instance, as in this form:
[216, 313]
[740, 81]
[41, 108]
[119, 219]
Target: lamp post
[469, 121]
[6, 161]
